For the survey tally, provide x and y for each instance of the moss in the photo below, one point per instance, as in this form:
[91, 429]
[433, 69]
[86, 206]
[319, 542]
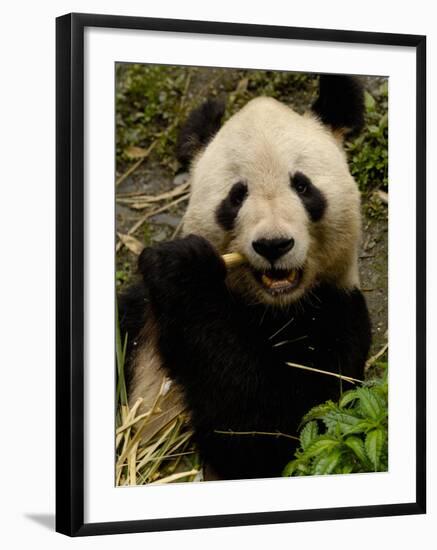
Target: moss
[368, 153]
[148, 98]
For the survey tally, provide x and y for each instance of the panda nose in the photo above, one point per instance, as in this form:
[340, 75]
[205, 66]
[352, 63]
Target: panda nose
[272, 249]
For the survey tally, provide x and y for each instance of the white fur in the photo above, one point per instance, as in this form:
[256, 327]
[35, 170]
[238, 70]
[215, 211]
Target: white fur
[262, 145]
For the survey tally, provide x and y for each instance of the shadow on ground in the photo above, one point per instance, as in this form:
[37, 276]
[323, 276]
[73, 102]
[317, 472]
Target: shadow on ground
[45, 520]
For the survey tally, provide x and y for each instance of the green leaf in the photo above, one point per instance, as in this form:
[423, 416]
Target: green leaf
[383, 122]
[383, 90]
[326, 464]
[318, 412]
[295, 467]
[374, 445]
[308, 434]
[382, 392]
[347, 397]
[302, 469]
[362, 426]
[346, 469]
[371, 403]
[289, 469]
[369, 102]
[357, 446]
[323, 444]
[340, 420]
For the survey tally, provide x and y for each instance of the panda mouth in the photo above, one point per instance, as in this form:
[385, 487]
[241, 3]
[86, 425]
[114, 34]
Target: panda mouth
[279, 281]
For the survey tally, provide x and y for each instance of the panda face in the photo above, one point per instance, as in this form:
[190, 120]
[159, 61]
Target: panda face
[274, 186]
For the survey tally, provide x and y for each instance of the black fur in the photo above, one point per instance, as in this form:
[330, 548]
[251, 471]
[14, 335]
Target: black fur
[228, 209]
[312, 198]
[200, 127]
[224, 354]
[133, 309]
[340, 104]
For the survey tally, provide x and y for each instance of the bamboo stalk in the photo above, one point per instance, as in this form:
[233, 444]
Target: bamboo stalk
[328, 373]
[132, 422]
[175, 477]
[233, 259]
[375, 357]
[147, 199]
[275, 434]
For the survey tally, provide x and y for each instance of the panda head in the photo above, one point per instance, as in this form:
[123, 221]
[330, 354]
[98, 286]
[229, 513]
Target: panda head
[275, 186]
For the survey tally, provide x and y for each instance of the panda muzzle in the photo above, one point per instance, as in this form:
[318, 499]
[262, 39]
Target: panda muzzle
[279, 280]
[275, 281]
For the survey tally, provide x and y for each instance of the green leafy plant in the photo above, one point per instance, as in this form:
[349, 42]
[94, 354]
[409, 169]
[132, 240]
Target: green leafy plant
[148, 100]
[368, 153]
[122, 273]
[345, 437]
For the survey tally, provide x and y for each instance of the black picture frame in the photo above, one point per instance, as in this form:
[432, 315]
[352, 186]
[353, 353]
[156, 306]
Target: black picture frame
[70, 272]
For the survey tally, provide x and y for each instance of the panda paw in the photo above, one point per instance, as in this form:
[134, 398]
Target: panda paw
[173, 268]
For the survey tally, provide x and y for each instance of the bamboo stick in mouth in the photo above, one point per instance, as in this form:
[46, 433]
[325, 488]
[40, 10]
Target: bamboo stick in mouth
[233, 259]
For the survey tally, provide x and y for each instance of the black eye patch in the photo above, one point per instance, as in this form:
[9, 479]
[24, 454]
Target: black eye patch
[228, 209]
[312, 198]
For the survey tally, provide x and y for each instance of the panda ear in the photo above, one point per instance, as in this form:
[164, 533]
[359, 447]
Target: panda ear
[340, 104]
[199, 128]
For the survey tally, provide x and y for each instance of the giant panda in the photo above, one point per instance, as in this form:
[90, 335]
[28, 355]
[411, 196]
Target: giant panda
[274, 186]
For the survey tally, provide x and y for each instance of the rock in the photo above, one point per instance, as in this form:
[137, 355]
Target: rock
[159, 236]
[181, 178]
[166, 219]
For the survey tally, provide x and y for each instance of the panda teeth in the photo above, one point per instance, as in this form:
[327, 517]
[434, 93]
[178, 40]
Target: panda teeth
[279, 281]
[280, 284]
